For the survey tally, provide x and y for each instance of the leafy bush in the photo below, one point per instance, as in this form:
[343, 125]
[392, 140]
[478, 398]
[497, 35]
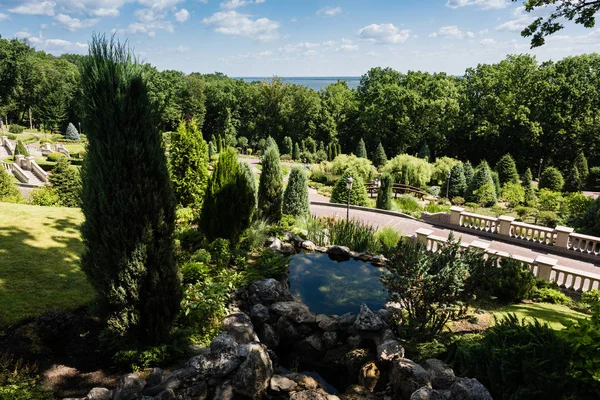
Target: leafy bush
[295, 197]
[384, 194]
[193, 272]
[574, 209]
[441, 167]
[408, 204]
[352, 234]
[507, 170]
[9, 192]
[388, 237]
[220, 252]
[202, 256]
[591, 298]
[358, 193]
[551, 179]
[44, 196]
[550, 200]
[409, 170]
[458, 201]
[513, 193]
[14, 128]
[54, 157]
[524, 212]
[256, 235]
[434, 190]
[436, 208]
[362, 166]
[66, 181]
[549, 295]
[486, 194]
[547, 218]
[19, 380]
[269, 264]
[591, 219]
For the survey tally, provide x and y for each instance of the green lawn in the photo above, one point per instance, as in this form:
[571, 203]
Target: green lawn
[39, 259]
[553, 314]
[74, 148]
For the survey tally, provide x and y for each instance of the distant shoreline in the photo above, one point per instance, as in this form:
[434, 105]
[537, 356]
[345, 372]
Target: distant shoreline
[312, 82]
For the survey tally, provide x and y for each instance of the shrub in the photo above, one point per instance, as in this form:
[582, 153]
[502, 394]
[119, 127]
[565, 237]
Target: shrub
[574, 209]
[591, 298]
[21, 149]
[201, 256]
[469, 173]
[44, 196]
[529, 193]
[408, 169]
[547, 218]
[310, 145]
[549, 295]
[424, 151]
[593, 180]
[482, 176]
[486, 194]
[458, 201]
[14, 128]
[507, 170]
[307, 158]
[320, 156]
[388, 237]
[436, 208]
[188, 161]
[573, 183]
[379, 158]
[581, 164]
[551, 179]
[296, 153]
[550, 201]
[287, 147]
[71, 132]
[127, 201]
[408, 204]
[212, 150]
[363, 167]
[220, 252]
[496, 182]
[524, 212]
[427, 284]
[66, 182]
[54, 157]
[295, 197]
[434, 190]
[270, 187]
[513, 194]
[361, 149]
[352, 234]
[458, 182]
[193, 272]
[441, 167]
[358, 194]
[269, 264]
[9, 193]
[384, 194]
[20, 381]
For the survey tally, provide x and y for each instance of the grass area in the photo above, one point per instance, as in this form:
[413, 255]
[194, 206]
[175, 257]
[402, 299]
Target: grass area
[553, 314]
[40, 249]
[74, 148]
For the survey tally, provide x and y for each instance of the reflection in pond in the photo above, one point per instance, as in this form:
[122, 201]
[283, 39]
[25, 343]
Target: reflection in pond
[330, 287]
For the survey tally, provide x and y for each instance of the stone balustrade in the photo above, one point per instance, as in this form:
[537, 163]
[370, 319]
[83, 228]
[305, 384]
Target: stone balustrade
[543, 267]
[10, 148]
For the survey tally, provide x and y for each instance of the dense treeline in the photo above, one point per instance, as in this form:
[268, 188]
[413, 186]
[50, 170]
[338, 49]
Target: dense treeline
[517, 106]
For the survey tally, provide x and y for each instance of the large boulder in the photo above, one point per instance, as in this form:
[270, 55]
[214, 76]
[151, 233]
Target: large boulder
[390, 350]
[369, 376]
[213, 365]
[259, 313]
[269, 336]
[442, 376]
[224, 342]
[367, 320]
[313, 395]
[99, 393]
[287, 330]
[407, 377]
[240, 327]
[469, 389]
[268, 291]
[253, 375]
[339, 251]
[294, 311]
[130, 386]
[308, 245]
[329, 324]
[281, 383]
[273, 244]
[427, 393]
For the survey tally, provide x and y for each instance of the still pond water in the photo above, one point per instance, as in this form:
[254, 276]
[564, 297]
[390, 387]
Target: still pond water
[331, 287]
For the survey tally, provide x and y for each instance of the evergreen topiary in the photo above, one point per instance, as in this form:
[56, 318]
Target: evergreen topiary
[469, 172]
[338, 149]
[66, 181]
[384, 195]
[127, 201]
[361, 149]
[188, 158]
[552, 179]
[424, 152]
[482, 176]
[379, 158]
[330, 152]
[270, 186]
[288, 147]
[230, 199]
[71, 132]
[9, 192]
[507, 170]
[295, 197]
[358, 194]
[582, 167]
[20, 149]
[458, 183]
[219, 144]
[526, 182]
[271, 143]
[573, 183]
[296, 154]
[496, 181]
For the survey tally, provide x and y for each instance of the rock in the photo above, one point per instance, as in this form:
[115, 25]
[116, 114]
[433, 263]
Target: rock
[386, 315]
[287, 248]
[390, 350]
[287, 329]
[469, 389]
[426, 393]
[165, 395]
[259, 313]
[367, 320]
[304, 382]
[386, 336]
[282, 384]
[224, 391]
[339, 251]
[329, 324]
[99, 393]
[273, 244]
[369, 376]
[330, 339]
[214, 365]
[130, 386]
[354, 341]
[240, 327]
[407, 376]
[316, 342]
[269, 336]
[442, 376]
[355, 359]
[366, 256]
[321, 249]
[222, 343]
[312, 395]
[268, 291]
[378, 260]
[253, 375]
[347, 319]
[294, 311]
[308, 245]
[155, 377]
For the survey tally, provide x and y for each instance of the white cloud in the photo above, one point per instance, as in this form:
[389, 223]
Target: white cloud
[160, 4]
[233, 4]
[452, 32]
[182, 15]
[22, 34]
[93, 8]
[330, 11]
[488, 42]
[35, 8]
[4, 17]
[348, 47]
[105, 12]
[234, 23]
[516, 24]
[73, 24]
[295, 48]
[180, 49]
[58, 45]
[483, 4]
[149, 21]
[383, 33]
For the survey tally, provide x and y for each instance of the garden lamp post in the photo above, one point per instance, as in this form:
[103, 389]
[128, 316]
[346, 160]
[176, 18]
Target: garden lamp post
[540, 171]
[448, 175]
[349, 182]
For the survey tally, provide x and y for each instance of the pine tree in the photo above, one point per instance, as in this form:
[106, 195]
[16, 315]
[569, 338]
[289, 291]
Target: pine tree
[20, 149]
[295, 197]
[330, 152]
[66, 182]
[288, 147]
[379, 158]
[424, 152]
[230, 199]
[321, 146]
[469, 172]
[270, 186]
[270, 143]
[71, 132]
[458, 182]
[296, 155]
[127, 201]
[481, 177]
[384, 195]
[582, 167]
[361, 149]
[573, 183]
[213, 140]
[526, 182]
[358, 194]
[507, 170]
[188, 158]
[496, 182]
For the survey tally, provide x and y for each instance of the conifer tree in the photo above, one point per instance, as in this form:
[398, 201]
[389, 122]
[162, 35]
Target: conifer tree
[526, 182]
[458, 183]
[361, 149]
[128, 202]
[424, 152]
[20, 149]
[71, 132]
[288, 147]
[573, 182]
[295, 197]
[211, 149]
[270, 143]
[582, 167]
[358, 194]
[66, 182]
[296, 155]
[321, 146]
[384, 195]
[330, 152]
[379, 158]
[270, 186]
[552, 179]
[482, 176]
[469, 172]
[219, 144]
[188, 158]
[338, 149]
[213, 140]
[507, 170]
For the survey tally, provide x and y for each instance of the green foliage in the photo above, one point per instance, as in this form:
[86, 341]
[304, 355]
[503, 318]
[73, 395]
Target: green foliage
[507, 170]
[44, 196]
[71, 132]
[19, 380]
[428, 284]
[574, 183]
[379, 158]
[388, 237]
[424, 152]
[361, 149]
[9, 193]
[458, 201]
[296, 153]
[66, 182]
[54, 157]
[269, 264]
[295, 197]
[481, 176]
[469, 173]
[551, 179]
[358, 194]
[341, 163]
[287, 147]
[188, 161]
[549, 295]
[410, 170]
[550, 201]
[270, 186]
[496, 181]
[591, 219]
[127, 201]
[591, 298]
[353, 234]
[15, 128]
[230, 199]
[163, 354]
[409, 204]
[513, 193]
[220, 253]
[202, 256]
[21, 149]
[581, 164]
[441, 167]
[524, 212]
[384, 194]
[526, 179]
[594, 178]
[513, 281]
[574, 208]
[193, 272]
[486, 194]
[458, 182]
[310, 145]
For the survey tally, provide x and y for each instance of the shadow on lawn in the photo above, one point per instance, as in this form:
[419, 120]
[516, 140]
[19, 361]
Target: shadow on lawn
[551, 315]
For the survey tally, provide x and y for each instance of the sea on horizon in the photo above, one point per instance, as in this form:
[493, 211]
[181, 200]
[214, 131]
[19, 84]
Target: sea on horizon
[312, 82]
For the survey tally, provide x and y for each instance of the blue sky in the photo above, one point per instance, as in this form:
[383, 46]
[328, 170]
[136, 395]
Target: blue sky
[294, 37]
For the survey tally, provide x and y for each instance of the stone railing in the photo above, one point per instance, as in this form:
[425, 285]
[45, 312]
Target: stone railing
[38, 171]
[562, 238]
[543, 267]
[7, 145]
[15, 169]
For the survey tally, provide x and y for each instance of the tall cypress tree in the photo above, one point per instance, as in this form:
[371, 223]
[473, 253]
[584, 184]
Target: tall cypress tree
[296, 155]
[458, 183]
[526, 182]
[361, 149]
[582, 167]
[189, 165]
[288, 147]
[295, 197]
[573, 182]
[384, 196]
[270, 186]
[469, 172]
[128, 203]
[379, 158]
[219, 144]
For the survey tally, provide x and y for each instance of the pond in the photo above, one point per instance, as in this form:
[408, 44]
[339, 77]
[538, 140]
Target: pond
[331, 287]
